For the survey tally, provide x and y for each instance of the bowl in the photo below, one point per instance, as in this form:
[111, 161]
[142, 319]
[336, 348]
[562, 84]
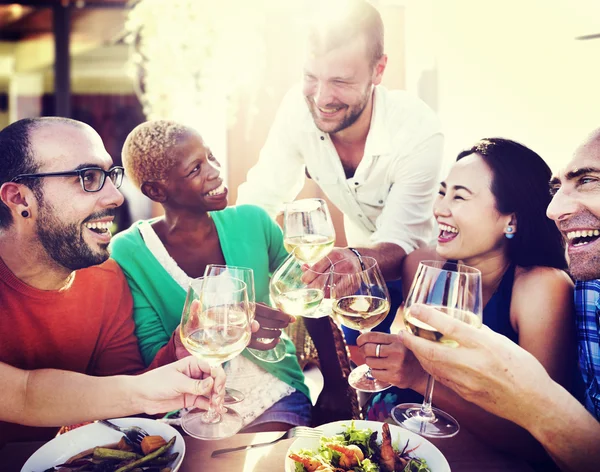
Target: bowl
[435, 459]
[61, 448]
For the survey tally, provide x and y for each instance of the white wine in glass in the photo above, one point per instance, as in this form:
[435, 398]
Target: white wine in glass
[360, 301]
[361, 312]
[298, 292]
[246, 275]
[275, 354]
[216, 342]
[308, 230]
[423, 330]
[215, 327]
[454, 289]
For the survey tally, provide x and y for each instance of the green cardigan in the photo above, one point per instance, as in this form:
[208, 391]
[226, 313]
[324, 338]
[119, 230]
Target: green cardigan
[248, 237]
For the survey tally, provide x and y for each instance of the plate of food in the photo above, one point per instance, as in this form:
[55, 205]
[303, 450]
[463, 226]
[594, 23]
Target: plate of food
[364, 446]
[95, 443]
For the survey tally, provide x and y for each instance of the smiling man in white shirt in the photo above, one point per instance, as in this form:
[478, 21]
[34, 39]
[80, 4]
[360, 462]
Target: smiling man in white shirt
[375, 153]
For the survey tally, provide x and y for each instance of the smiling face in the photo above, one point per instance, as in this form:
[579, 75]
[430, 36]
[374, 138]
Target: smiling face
[71, 224]
[470, 225]
[575, 208]
[338, 84]
[194, 182]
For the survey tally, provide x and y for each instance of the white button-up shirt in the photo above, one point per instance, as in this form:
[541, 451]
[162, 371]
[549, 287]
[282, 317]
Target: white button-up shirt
[389, 198]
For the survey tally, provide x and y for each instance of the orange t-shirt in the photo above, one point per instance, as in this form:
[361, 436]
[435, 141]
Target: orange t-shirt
[85, 328]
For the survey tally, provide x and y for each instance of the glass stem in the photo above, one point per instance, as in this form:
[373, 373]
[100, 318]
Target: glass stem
[211, 416]
[426, 413]
[368, 373]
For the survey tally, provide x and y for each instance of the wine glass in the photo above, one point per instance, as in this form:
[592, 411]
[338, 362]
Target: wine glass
[454, 289]
[271, 355]
[299, 292]
[360, 301]
[296, 292]
[307, 227]
[246, 275]
[215, 327]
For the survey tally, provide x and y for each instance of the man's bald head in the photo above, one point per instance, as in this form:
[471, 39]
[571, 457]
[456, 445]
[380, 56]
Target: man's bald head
[591, 145]
[17, 156]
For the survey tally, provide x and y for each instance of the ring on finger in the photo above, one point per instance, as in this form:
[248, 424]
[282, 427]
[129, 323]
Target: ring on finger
[378, 350]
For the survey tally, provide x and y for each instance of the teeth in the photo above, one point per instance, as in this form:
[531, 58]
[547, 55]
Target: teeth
[220, 189]
[99, 225]
[586, 233]
[449, 229]
[328, 110]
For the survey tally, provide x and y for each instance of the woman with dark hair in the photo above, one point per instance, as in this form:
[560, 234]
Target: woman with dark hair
[520, 186]
[491, 215]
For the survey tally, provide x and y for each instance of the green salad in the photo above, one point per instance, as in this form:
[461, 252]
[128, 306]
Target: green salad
[359, 450]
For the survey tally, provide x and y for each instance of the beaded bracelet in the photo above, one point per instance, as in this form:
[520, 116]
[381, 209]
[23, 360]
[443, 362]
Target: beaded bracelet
[360, 259]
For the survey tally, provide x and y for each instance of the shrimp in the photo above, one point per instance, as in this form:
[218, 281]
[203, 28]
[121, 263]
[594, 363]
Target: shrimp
[311, 464]
[350, 455]
[387, 454]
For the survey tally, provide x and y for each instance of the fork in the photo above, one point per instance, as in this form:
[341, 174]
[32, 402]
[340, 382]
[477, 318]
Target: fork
[133, 434]
[296, 432]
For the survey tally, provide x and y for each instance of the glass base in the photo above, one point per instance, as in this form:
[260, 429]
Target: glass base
[193, 423]
[233, 396]
[272, 355]
[361, 379]
[440, 425]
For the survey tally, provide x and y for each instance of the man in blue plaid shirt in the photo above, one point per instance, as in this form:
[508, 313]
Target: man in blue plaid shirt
[496, 374]
[587, 312]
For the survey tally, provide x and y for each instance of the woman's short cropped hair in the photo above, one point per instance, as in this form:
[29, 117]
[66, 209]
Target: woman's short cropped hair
[520, 185]
[147, 153]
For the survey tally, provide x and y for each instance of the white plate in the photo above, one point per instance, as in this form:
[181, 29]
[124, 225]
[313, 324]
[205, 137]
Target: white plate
[73, 442]
[435, 459]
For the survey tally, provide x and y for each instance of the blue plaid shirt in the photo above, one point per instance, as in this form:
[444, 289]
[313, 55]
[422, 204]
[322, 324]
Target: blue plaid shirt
[587, 314]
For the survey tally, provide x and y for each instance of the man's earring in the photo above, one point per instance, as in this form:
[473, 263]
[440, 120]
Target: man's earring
[25, 214]
[509, 232]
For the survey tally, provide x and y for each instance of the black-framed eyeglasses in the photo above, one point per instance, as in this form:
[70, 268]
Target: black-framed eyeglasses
[92, 178]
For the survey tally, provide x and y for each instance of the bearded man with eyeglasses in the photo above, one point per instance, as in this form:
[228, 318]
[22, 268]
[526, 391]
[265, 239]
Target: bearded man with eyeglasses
[63, 304]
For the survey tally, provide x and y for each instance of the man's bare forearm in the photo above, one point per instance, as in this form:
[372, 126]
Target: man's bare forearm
[49, 397]
[389, 257]
[570, 434]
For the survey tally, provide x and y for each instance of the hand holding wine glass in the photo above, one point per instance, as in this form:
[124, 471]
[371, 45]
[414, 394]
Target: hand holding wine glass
[361, 302]
[215, 327]
[453, 289]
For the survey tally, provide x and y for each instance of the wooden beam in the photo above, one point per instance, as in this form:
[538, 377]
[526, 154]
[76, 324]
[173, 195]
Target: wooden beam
[62, 63]
[90, 29]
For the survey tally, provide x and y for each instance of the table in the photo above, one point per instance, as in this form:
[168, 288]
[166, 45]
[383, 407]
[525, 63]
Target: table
[463, 452]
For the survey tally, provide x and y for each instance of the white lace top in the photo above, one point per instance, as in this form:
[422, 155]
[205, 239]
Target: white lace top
[261, 389]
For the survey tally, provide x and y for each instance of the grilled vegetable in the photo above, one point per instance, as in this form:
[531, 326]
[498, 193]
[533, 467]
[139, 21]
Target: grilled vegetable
[148, 457]
[152, 443]
[114, 454]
